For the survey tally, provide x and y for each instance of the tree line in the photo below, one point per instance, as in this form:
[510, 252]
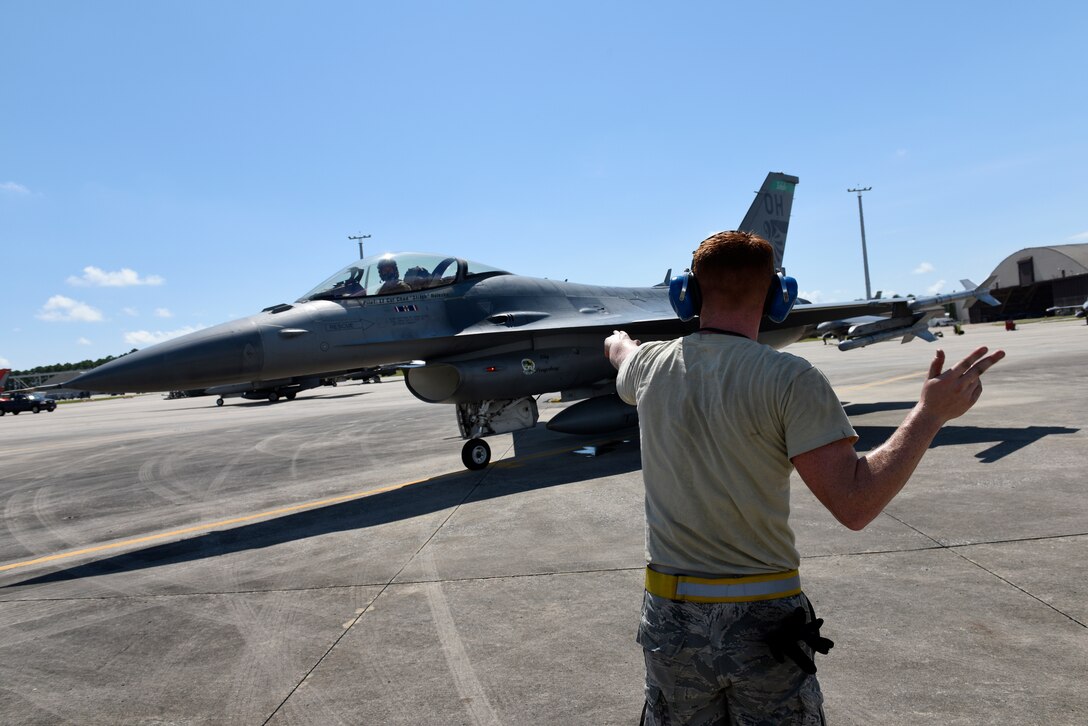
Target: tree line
[80, 366]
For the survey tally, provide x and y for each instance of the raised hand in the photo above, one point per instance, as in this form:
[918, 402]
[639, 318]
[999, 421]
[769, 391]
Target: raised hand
[949, 394]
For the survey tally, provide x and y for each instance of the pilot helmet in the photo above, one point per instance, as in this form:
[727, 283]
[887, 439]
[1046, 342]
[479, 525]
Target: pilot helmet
[387, 269]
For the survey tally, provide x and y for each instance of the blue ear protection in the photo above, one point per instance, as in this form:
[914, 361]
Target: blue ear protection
[686, 299]
[684, 296]
[781, 296]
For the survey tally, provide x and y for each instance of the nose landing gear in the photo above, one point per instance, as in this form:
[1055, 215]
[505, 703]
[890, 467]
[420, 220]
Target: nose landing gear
[476, 454]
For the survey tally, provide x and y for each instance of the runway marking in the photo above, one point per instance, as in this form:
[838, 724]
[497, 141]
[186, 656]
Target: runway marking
[903, 377]
[465, 680]
[213, 525]
[501, 463]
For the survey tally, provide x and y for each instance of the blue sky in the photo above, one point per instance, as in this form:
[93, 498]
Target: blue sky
[170, 165]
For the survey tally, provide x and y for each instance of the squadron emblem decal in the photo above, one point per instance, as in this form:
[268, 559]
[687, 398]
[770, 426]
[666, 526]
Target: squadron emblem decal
[528, 367]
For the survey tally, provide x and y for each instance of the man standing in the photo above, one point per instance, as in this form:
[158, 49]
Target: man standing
[727, 634]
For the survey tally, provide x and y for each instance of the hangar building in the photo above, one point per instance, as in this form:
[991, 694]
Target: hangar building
[1034, 279]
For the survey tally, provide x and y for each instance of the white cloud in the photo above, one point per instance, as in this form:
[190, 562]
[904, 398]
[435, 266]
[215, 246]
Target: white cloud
[901, 153]
[131, 312]
[13, 188]
[923, 268]
[60, 309]
[95, 277]
[935, 288]
[83, 341]
[814, 296]
[1080, 236]
[5, 362]
[163, 313]
[140, 338]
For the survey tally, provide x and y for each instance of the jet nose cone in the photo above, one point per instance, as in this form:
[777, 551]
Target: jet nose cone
[228, 353]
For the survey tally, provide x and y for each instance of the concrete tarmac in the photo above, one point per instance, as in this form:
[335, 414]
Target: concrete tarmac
[329, 561]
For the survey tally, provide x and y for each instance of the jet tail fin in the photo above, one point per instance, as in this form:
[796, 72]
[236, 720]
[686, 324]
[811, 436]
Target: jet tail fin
[769, 215]
[4, 377]
[982, 292]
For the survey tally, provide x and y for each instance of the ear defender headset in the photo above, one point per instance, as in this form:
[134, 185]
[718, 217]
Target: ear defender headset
[686, 298]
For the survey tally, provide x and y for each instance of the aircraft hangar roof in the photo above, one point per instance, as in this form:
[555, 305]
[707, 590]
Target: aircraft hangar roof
[1050, 263]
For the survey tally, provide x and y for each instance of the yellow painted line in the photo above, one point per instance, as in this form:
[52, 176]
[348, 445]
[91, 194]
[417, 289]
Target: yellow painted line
[886, 381]
[502, 463]
[204, 527]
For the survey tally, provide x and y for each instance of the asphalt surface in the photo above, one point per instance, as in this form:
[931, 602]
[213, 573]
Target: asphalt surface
[329, 561]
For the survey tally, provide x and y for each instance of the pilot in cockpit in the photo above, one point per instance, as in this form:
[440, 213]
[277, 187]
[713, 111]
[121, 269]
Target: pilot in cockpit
[417, 277]
[390, 276]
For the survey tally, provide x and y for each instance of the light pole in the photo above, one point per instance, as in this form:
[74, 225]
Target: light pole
[359, 239]
[864, 252]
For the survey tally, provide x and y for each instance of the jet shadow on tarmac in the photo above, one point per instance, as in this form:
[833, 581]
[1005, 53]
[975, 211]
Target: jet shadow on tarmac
[1006, 440]
[414, 500]
[860, 409]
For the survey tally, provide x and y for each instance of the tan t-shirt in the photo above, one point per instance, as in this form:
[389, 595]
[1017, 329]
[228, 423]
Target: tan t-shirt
[720, 418]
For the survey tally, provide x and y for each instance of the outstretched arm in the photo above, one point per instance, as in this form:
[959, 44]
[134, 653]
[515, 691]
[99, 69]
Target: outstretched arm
[618, 346]
[856, 489]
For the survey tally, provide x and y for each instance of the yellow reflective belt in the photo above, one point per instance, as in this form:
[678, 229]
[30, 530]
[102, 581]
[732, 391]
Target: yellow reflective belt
[723, 589]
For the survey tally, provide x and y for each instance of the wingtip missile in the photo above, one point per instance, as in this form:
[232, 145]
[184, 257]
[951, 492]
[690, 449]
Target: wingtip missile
[970, 292]
[919, 329]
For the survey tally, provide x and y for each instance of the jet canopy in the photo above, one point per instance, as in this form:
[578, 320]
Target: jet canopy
[399, 273]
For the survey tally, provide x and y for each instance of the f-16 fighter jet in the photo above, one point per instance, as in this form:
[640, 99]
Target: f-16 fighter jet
[489, 341]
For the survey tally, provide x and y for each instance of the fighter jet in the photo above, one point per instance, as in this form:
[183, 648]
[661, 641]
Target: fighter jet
[490, 341]
[280, 389]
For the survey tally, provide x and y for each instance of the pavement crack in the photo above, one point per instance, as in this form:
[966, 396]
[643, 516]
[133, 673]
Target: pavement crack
[363, 611]
[956, 550]
[1010, 583]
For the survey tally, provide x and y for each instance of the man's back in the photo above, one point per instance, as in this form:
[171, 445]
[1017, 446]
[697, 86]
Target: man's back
[720, 416]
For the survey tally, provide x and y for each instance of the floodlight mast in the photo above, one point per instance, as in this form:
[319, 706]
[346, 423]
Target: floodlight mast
[864, 252]
[359, 239]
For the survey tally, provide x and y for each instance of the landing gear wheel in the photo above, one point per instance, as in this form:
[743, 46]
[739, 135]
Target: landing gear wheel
[273, 397]
[476, 454]
[290, 395]
[219, 402]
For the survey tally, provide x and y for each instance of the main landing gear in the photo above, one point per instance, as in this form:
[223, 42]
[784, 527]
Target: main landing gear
[484, 418]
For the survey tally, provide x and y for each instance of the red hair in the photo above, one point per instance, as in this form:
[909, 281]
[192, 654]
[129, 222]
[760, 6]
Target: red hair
[733, 268]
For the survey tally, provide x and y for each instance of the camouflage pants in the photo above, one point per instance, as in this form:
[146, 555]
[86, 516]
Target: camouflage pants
[709, 663]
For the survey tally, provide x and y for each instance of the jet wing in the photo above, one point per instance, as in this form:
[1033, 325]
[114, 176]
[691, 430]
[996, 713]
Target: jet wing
[866, 322]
